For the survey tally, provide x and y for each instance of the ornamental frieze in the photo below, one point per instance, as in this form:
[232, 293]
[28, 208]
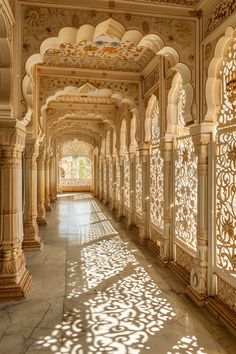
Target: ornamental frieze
[220, 11]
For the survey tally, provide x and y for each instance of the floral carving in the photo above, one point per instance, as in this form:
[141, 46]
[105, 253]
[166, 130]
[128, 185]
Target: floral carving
[221, 11]
[157, 173]
[76, 147]
[227, 293]
[43, 22]
[117, 180]
[126, 181]
[138, 184]
[186, 189]
[184, 259]
[226, 174]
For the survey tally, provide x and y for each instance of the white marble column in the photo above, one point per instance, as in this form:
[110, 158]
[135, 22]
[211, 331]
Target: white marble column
[113, 190]
[198, 281]
[131, 214]
[121, 202]
[96, 176]
[32, 241]
[48, 206]
[101, 178]
[53, 181]
[105, 180]
[41, 218]
[15, 279]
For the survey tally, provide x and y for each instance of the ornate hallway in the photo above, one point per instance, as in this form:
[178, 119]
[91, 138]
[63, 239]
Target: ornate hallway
[96, 290]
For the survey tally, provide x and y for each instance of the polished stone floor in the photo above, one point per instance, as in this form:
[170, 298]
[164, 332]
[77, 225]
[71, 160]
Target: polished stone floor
[96, 290]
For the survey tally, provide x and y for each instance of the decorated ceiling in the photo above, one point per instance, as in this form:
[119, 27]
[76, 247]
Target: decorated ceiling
[86, 54]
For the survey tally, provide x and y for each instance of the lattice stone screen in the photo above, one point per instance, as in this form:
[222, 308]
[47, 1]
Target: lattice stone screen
[110, 177]
[138, 184]
[156, 174]
[226, 172]
[105, 177]
[186, 189]
[126, 181]
[117, 180]
[76, 147]
[157, 189]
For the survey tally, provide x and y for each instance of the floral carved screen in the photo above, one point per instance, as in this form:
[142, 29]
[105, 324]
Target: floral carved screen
[226, 170]
[138, 198]
[156, 174]
[111, 186]
[126, 181]
[117, 180]
[186, 189]
[105, 177]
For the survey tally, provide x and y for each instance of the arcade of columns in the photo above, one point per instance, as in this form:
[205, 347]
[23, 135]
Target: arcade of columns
[154, 96]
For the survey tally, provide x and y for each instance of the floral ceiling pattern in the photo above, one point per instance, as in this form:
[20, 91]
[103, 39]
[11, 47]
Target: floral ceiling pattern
[87, 54]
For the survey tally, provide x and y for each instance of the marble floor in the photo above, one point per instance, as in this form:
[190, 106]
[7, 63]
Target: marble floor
[96, 290]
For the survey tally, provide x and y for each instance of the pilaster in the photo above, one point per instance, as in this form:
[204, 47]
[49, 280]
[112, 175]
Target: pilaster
[198, 281]
[167, 149]
[113, 188]
[120, 211]
[144, 151]
[15, 280]
[32, 241]
[48, 206]
[41, 219]
[131, 214]
[53, 180]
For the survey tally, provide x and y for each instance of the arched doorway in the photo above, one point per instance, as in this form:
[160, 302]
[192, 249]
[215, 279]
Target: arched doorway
[76, 167]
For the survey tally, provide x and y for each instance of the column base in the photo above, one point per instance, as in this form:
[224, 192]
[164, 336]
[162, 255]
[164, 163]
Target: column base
[48, 207]
[10, 290]
[198, 299]
[41, 220]
[32, 245]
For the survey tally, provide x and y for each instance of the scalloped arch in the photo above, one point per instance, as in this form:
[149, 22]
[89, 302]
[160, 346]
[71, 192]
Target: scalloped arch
[5, 69]
[110, 31]
[148, 118]
[213, 91]
[89, 90]
[172, 108]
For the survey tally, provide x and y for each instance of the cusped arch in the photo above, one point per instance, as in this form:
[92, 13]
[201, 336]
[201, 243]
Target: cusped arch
[109, 31]
[148, 117]
[5, 68]
[123, 137]
[173, 100]
[213, 91]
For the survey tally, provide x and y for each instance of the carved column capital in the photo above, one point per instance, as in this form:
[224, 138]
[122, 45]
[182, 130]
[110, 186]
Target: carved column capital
[12, 138]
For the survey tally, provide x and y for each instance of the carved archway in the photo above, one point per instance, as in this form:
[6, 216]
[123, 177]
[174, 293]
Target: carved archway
[214, 82]
[5, 59]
